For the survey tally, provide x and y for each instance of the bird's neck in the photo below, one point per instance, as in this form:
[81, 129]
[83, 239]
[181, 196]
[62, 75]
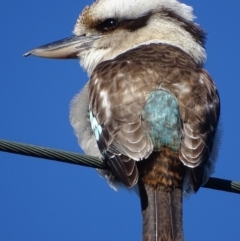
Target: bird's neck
[158, 31]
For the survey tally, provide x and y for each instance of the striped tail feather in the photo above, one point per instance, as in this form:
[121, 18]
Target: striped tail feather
[162, 214]
[160, 189]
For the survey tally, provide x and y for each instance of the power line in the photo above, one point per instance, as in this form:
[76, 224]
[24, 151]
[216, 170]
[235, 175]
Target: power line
[94, 162]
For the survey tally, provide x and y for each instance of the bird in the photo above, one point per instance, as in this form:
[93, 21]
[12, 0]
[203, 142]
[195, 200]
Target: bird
[150, 110]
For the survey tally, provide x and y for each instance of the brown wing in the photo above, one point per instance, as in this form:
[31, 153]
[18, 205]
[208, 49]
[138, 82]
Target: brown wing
[117, 99]
[199, 107]
[200, 115]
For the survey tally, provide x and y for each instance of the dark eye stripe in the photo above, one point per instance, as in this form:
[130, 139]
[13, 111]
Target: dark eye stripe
[108, 25]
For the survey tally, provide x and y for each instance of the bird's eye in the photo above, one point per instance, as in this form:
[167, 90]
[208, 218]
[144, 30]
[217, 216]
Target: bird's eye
[108, 25]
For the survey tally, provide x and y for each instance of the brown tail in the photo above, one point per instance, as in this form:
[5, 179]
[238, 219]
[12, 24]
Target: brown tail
[162, 214]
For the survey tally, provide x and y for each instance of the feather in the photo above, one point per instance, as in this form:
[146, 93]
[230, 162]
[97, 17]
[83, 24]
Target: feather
[160, 189]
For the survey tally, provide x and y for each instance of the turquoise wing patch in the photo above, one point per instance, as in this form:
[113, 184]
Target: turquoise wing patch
[161, 113]
[97, 129]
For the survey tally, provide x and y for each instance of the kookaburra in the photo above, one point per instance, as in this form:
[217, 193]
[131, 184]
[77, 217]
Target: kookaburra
[149, 109]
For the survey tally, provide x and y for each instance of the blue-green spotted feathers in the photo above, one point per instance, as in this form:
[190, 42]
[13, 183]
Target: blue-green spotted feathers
[161, 113]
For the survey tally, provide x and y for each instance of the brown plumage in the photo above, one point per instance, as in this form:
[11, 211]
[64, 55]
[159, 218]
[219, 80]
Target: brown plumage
[162, 170]
[127, 82]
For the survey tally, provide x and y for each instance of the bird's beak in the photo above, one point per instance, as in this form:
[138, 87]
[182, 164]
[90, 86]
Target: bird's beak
[67, 48]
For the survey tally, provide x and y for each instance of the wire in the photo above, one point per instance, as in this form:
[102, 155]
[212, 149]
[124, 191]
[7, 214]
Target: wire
[223, 185]
[94, 162]
[51, 154]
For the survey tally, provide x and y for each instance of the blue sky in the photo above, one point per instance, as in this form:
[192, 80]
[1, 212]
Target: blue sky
[45, 200]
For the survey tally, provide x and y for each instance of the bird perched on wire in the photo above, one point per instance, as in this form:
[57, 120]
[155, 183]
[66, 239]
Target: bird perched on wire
[149, 109]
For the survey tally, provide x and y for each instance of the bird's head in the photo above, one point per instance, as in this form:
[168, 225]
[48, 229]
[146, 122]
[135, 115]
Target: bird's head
[108, 28]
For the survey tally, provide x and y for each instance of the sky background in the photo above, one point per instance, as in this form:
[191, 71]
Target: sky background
[45, 200]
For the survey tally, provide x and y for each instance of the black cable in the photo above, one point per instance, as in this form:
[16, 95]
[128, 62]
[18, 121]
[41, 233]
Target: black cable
[52, 154]
[223, 185]
[94, 162]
